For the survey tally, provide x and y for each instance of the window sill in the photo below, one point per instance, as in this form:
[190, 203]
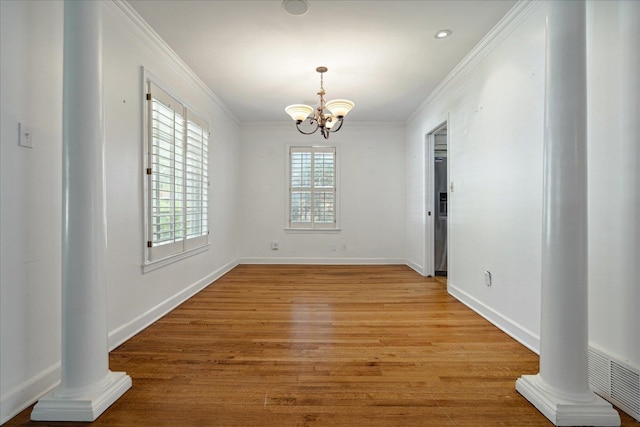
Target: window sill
[312, 230]
[154, 265]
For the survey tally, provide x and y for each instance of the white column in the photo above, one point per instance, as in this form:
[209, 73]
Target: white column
[561, 390]
[87, 388]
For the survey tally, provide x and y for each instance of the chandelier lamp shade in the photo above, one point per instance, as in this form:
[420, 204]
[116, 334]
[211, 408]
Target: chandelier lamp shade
[327, 117]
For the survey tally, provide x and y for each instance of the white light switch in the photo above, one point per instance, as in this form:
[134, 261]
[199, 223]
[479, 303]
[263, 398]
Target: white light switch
[487, 278]
[25, 136]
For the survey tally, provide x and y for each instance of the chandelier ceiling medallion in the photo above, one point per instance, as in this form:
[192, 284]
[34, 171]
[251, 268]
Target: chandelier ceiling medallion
[327, 122]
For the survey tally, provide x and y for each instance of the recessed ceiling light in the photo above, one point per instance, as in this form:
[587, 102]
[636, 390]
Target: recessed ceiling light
[295, 7]
[442, 34]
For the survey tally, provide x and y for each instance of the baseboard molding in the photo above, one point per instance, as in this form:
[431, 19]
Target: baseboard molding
[611, 378]
[511, 328]
[27, 393]
[24, 395]
[126, 331]
[322, 261]
[414, 266]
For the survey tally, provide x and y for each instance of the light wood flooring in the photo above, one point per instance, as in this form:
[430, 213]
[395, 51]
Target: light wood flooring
[321, 346]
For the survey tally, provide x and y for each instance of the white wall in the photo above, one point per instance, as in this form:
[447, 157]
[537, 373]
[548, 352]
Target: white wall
[131, 293]
[495, 101]
[372, 195]
[494, 104]
[614, 178]
[31, 190]
[30, 199]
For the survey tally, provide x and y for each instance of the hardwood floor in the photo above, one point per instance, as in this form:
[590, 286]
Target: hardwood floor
[321, 346]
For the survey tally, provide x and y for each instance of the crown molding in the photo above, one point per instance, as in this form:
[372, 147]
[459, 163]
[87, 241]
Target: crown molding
[144, 30]
[503, 29]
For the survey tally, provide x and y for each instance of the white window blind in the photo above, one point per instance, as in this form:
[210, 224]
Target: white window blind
[177, 177]
[312, 187]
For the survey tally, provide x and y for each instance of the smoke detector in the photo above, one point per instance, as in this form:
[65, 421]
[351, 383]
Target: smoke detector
[295, 7]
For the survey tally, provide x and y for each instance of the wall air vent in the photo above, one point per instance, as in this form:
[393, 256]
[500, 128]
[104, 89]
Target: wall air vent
[615, 381]
[599, 372]
[625, 387]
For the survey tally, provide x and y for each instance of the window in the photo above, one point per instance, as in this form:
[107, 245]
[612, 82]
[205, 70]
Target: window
[177, 177]
[312, 187]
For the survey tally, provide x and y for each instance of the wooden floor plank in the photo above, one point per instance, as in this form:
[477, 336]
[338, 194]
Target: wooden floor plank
[321, 346]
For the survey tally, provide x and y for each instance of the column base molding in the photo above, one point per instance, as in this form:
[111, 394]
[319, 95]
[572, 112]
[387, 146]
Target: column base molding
[84, 407]
[563, 411]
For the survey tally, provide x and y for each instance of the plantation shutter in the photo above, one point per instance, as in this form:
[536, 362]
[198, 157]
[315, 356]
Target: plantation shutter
[196, 182]
[177, 176]
[312, 194]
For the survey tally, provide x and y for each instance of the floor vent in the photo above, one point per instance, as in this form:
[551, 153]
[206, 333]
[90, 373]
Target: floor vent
[615, 381]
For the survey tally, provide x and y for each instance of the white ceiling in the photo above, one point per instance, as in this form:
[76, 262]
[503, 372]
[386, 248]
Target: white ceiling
[381, 54]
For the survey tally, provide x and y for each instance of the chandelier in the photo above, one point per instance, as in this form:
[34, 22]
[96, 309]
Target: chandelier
[326, 122]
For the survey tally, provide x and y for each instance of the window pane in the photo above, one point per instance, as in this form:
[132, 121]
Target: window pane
[323, 170]
[323, 207]
[301, 206]
[301, 169]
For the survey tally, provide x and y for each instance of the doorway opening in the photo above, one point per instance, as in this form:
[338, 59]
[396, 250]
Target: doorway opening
[437, 197]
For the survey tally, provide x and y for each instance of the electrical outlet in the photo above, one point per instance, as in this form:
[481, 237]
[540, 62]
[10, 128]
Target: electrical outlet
[25, 136]
[275, 245]
[487, 278]
[333, 247]
[344, 246]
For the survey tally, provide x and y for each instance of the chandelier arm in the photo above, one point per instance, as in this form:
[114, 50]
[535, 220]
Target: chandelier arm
[337, 128]
[340, 107]
[307, 133]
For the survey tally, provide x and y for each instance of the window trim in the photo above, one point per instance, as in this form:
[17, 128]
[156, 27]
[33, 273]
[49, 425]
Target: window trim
[288, 228]
[190, 246]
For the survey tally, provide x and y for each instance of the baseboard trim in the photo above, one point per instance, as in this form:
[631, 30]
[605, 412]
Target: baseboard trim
[414, 266]
[27, 393]
[24, 395]
[511, 328]
[322, 261]
[126, 331]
